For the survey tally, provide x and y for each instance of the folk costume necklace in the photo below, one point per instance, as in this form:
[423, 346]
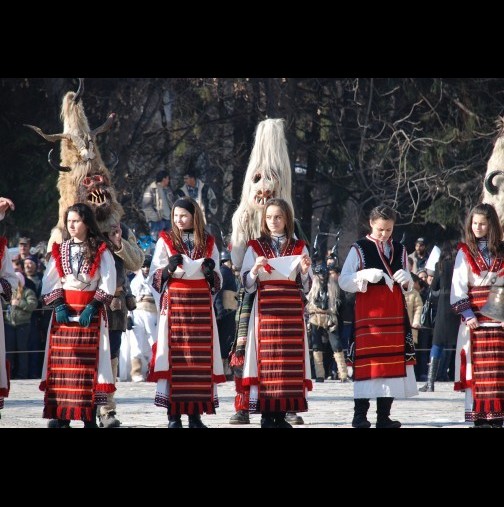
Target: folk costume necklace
[485, 252]
[188, 239]
[386, 252]
[277, 243]
[76, 257]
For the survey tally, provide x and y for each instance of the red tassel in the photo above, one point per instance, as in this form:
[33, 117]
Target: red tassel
[42, 385]
[268, 268]
[237, 361]
[308, 384]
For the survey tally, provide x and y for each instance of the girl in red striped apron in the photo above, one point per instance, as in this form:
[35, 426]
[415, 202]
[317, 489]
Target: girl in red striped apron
[479, 360]
[8, 280]
[79, 280]
[277, 366]
[185, 275]
[382, 353]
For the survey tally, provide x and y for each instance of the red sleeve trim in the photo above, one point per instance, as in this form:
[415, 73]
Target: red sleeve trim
[97, 259]
[469, 258]
[56, 253]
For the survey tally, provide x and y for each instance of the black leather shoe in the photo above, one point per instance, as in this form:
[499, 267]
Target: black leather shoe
[59, 423]
[293, 418]
[280, 422]
[387, 423]
[241, 417]
[267, 421]
[196, 422]
[361, 422]
[174, 421]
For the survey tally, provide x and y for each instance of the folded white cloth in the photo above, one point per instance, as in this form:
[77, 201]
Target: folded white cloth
[372, 275]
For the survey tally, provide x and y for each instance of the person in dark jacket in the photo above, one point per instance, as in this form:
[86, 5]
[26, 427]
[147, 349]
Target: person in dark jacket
[447, 321]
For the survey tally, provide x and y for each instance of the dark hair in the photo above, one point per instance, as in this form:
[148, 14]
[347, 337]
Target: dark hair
[192, 173]
[288, 214]
[448, 253]
[198, 223]
[161, 175]
[383, 212]
[94, 237]
[494, 234]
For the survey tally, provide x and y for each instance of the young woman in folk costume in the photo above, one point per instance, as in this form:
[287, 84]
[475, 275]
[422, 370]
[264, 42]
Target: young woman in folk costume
[479, 360]
[268, 175]
[79, 280]
[186, 359]
[8, 281]
[276, 372]
[383, 354]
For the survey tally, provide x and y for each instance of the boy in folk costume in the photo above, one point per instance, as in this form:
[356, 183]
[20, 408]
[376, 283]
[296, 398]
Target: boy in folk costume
[383, 354]
[276, 372]
[479, 364]
[8, 280]
[268, 175]
[80, 280]
[185, 275]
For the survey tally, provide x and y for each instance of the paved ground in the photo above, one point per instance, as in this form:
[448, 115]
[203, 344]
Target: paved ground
[330, 406]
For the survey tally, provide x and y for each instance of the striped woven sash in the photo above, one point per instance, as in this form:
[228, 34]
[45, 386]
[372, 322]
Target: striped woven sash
[379, 333]
[72, 364]
[190, 329]
[281, 365]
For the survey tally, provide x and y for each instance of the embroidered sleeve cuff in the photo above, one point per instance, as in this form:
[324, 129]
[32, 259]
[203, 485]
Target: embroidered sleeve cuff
[53, 296]
[103, 297]
[461, 306]
[7, 289]
[157, 280]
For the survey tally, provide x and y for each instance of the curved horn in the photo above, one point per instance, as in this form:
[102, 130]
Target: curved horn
[48, 137]
[114, 161]
[54, 165]
[105, 126]
[489, 185]
[80, 91]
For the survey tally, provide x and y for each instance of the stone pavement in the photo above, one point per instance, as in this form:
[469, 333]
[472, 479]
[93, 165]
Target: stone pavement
[330, 406]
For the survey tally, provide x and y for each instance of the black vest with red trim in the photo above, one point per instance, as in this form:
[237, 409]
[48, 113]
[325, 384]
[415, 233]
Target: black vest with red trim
[370, 256]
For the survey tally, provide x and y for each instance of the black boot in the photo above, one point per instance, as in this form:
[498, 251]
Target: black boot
[280, 421]
[431, 376]
[196, 422]
[482, 423]
[59, 423]
[268, 420]
[92, 422]
[361, 407]
[174, 421]
[383, 406]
